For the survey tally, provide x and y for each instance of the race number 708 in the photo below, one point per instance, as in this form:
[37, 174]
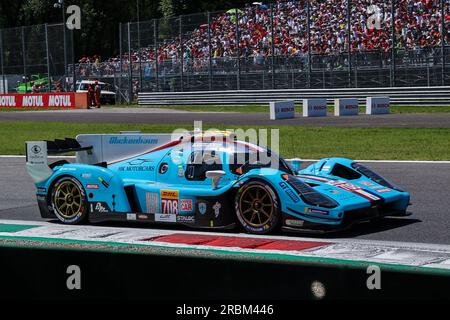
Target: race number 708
[169, 206]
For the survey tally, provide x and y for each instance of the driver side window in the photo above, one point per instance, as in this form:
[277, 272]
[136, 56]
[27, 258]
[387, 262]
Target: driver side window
[201, 162]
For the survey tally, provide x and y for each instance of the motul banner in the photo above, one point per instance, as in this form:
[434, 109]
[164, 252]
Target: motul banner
[43, 100]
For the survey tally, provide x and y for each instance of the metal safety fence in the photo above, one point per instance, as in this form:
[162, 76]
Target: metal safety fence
[36, 58]
[313, 44]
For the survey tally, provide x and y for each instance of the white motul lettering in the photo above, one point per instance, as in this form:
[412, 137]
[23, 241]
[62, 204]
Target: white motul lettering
[59, 101]
[32, 101]
[7, 101]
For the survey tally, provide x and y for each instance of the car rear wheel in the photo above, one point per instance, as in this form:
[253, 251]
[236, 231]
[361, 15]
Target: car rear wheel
[257, 208]
[68, 200]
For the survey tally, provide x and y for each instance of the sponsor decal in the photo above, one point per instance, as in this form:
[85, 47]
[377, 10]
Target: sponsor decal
[42, 190]
[33, 101]
[137, 165]
[152, 202]
[59, 101]
[100, 207]
[169, 201]
[354, 189]
[186, 219]
[295, 223]
[131, 217]
[202, 207]
[92, 186]
[86, 175]
[186, 205]
[127, 140]
[315, 211]
[36, 154]
[315, 178]
[136, 169]
[384, 190]
[291, 194]
[140, 162]
[36, 149]
[366, 183]
[180, 171]
[282, 110]
[143, 217]
[68, 169]
[216, 209]
[38, 100]
[7, 101]
[104, 183]
[165, 217]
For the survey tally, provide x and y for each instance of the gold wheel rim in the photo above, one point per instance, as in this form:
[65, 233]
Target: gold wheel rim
[68, 200]
[256, 206]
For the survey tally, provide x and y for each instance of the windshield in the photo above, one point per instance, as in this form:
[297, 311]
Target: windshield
[242, 156]
[241, 163]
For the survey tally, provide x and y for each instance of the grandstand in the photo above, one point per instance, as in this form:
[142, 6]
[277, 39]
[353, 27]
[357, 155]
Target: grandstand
[269, 46]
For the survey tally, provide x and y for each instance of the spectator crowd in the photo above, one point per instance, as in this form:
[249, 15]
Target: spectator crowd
[417, 27]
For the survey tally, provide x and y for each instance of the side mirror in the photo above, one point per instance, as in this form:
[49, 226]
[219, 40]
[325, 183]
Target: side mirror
[296, 164]
[215, 176]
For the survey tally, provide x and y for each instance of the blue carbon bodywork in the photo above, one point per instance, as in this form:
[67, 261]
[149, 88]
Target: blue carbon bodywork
[158, 187]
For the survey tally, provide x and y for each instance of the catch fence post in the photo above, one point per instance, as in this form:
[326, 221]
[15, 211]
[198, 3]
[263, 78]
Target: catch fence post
[130, 67]
[238, 49]
[2, 67]
[210, 52]
[48, 59]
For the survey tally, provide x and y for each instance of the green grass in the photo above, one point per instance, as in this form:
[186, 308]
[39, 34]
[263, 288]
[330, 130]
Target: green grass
[257, 108]
[355, 143]
[26, 109]
[265, 108]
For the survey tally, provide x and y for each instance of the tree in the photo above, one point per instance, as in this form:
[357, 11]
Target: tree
[100, 19]
[167, 8]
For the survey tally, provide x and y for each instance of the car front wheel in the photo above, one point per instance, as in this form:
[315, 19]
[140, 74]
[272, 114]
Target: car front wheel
[257, 208]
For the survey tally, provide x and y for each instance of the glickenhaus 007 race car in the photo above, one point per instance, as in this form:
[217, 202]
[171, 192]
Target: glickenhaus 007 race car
[204, 182]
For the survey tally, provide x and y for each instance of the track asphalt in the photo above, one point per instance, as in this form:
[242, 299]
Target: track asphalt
[427, 183]
[158, 116]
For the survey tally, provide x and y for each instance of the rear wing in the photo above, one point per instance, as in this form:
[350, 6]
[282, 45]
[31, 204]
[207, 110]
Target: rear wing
[65, 146]
[37, 153]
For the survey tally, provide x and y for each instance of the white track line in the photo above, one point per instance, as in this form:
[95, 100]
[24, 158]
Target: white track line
[50, 157]
[304, 160]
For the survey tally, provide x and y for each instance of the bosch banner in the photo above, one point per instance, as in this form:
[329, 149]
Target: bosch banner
[378, 105]
[42, 100]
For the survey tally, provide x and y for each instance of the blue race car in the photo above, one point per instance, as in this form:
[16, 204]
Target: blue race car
[205, 182]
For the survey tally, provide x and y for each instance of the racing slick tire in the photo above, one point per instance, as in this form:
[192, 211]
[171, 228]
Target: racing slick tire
[69, 201]
[257, 208]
